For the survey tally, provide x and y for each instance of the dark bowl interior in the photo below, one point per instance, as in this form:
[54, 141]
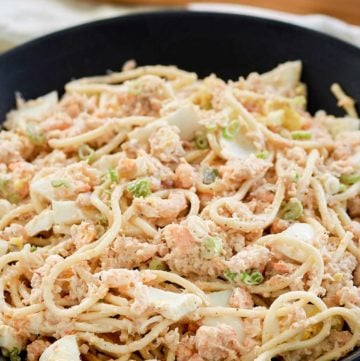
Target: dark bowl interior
[228, 45]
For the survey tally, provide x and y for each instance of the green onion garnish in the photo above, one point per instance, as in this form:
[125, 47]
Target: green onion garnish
[201, 141]
[103, 220]
[33, 248]
[157, 265]
[292, 210]
[342, 188]
[14, 354]
[230, 276]
[301, 135]
[209, 175]
[139, 188]
[56, 183]
[350, 179]
[113, 176]
[263, 155]
[231, 130]
[251, 279]
[211, 247]
[298, 100]
[85, 152]
[7, 193]
[35, 137]
[294, 176]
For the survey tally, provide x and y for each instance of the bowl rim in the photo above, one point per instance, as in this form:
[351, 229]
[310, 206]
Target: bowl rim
[179, 12]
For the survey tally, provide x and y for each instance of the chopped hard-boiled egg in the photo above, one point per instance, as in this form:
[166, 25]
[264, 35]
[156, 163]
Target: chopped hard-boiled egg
[42, 222]
[142, 134]
[171, 305]
[9, 338]
[301, 231]
[43, 187]
[239, 147]
[32, 110]
[64, 349]
[285, 76]
[339, 125]
[66, 212]
[186, 119]
[5, 207]
[106, 162]
[219, 298]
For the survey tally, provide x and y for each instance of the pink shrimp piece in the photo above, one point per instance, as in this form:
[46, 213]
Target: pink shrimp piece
[185, 253]
[185, 176]
[186, 349]
[14, 148]
[241, 298]
[217, 343]
[165, 144]
[279, 225]
[236, 171]
[251, 257]
[14, 231]
[36, 348]
[128, 252]
[127, 168]
[74, 104]
[156, 207]
[83, 234]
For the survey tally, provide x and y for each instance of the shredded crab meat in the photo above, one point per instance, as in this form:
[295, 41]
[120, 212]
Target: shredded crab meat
[148, 214]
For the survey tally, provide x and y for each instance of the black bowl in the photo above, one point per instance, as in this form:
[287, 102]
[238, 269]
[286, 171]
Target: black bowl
[228, 45]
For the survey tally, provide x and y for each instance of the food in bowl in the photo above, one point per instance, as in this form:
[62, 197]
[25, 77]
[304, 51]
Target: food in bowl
[149, 214]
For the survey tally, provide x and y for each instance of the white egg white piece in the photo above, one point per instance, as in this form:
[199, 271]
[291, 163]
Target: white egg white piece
[64, 349]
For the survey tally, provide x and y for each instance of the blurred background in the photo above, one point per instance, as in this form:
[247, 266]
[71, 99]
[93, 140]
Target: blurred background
[23, 20]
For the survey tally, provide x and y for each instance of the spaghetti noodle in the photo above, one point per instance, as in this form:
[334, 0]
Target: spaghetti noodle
[151, 215]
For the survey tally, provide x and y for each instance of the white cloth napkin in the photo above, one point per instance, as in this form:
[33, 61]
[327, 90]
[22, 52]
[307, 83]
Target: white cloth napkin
[23, 20]
[323, 23]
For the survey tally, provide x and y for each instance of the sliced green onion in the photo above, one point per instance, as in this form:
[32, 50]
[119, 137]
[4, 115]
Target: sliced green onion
[301, 135]
[251, 279]
[35, 137]
[7, 193]
[230, 276]
[231, 130]
[211, 247]
[103, 220]
[350, 179]
[14, 354]
[85, 152]
[56, 183]
[201, 141]
[113, 176]
[298, 100]
[3, 186]
[292, 210]
[337, 323]
[263, 155]
[139, 188]
[342, 188]
[210, 175]
[157, 265]
[294, 176]
[33, 248]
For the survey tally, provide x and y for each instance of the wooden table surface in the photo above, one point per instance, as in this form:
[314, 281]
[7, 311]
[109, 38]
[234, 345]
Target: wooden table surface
[347, 10]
